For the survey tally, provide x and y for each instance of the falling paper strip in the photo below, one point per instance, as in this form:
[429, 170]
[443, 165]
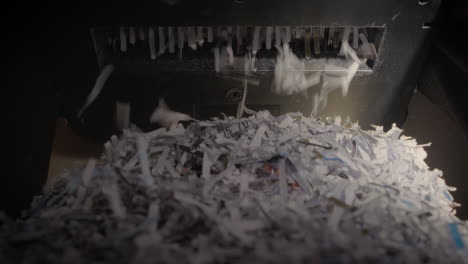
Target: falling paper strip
[287, 34]
[98, 86]
[256, 40]
[367, 50]
[349, 53]
[331, 33]
[345, 38]
[290, 76]
[230, 53]
[240, 107]
[165, 117]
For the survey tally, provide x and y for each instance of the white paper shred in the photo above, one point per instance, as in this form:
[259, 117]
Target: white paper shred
[206, 167]
[367, 49]
[331, 34]
[167, 118]
[349, 53]
[257, 140]
[332, 81]
[256, 45]
[287, 34]
[290, 76]
[98, 86]
[241, 105]
[345, 39]
[230, 52]
[249, 111]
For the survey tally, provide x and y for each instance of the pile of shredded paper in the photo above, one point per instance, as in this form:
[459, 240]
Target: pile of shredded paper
[263, 189]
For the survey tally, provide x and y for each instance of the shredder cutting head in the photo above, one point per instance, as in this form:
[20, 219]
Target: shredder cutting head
[168, 50]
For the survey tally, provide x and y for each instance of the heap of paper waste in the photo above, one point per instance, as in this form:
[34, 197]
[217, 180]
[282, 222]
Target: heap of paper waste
[262, 189]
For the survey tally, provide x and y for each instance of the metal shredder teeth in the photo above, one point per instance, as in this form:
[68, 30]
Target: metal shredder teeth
[196, 43]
